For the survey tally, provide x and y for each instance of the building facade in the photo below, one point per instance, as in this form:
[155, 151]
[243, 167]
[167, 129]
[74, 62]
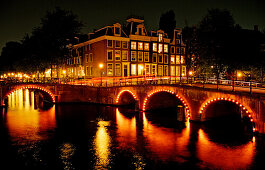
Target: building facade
[128, 51]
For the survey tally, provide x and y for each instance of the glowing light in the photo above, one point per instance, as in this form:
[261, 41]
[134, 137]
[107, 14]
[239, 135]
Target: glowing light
[118, 97]
[100, 65]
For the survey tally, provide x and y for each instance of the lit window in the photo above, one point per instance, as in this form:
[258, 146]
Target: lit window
[140, 56]
[166, 48]
[133, 55]
[154, 46]
[166, 59]
[177, 70]
[172, 71]
[124, 44]
[160, 48]
[146, 56]
[109, 43]
[133, 45]
[160, 37]
[146, 46]
[154, 57]
[90, 57]
[177, 59]
[160, 70]
[110, 55]
[160, 58]
[172, 59]
[133, 70]
[182, 60]
[124, 55]
[117, 69]
[109, 69]
[140, 69]
[118, 44]
[117, 55]
[147, 69]
[140, 45]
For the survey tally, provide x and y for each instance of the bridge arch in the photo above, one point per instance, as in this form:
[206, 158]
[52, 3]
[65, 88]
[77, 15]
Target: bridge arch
[37, 87]
[244, 108]
[178, 96]
[123, 92]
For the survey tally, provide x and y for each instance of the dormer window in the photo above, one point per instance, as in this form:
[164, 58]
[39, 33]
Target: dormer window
[140, 30]
[117, 30]
[160, 37]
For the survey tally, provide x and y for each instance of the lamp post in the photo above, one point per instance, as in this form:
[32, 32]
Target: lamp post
[101, 67]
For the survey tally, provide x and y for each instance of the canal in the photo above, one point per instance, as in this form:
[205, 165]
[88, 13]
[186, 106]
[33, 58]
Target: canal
[35, 135]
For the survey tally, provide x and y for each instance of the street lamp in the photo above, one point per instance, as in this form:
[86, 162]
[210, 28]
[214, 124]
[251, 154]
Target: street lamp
[101, 67]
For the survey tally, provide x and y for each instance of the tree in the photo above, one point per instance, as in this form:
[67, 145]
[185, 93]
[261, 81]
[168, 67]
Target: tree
[167, 23]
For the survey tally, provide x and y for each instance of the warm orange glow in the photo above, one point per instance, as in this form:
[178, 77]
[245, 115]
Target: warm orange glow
[203, 107]
[100, 65]
[169, 91]
[122, 91]
[190, 73]
[64, 72]
[239, 74]
[224, 157]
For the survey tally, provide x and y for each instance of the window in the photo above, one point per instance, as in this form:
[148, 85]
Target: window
[160, 58]
[133, 70]
[166, 59]
[147, 69]
[109, 43]
[146, 56]
[124, 55]
[177, 50]
[160, 48]
[133, 45]
[160, 37]
[183, 70]
[165, 70]
[182, 50]
[140, 56]
[182, 60]
[166, 48]
[154, 69]
[172, 59]
[117, 30]
[172, 71]
[109, 69]
[90, 57]
[124, 44]
[160, 70]
[146, 46]
[177, 59]
[154, 57]
[87, 70]
[177, 70]
[140, 69]
[110, 55]
[154, 46]
[177, 41]
[118, 44]
[87, 58]
[117, 55]
[172, 49]
[140, 45]
[133, 55]
[117, 69]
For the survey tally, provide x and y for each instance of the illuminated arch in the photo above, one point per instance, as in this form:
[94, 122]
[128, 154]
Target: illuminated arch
[122, 91]
[205, 104]
[183, 101]
[32, 87]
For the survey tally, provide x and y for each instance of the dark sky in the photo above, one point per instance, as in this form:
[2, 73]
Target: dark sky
[18, 17]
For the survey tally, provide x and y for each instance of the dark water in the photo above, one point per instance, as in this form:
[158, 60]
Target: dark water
[82, 136]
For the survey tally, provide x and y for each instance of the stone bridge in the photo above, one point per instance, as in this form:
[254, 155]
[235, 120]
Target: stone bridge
[194, 100]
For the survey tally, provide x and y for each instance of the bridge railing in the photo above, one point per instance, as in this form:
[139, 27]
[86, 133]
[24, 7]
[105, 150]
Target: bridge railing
[232, 85]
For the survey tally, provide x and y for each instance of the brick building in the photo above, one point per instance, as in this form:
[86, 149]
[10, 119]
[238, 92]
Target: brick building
[127, 51]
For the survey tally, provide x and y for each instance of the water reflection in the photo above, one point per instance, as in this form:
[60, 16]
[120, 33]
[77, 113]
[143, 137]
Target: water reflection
[67, 151]
[222, 156]
[102, 145]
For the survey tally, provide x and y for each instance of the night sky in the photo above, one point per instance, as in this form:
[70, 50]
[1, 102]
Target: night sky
[18, 17]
